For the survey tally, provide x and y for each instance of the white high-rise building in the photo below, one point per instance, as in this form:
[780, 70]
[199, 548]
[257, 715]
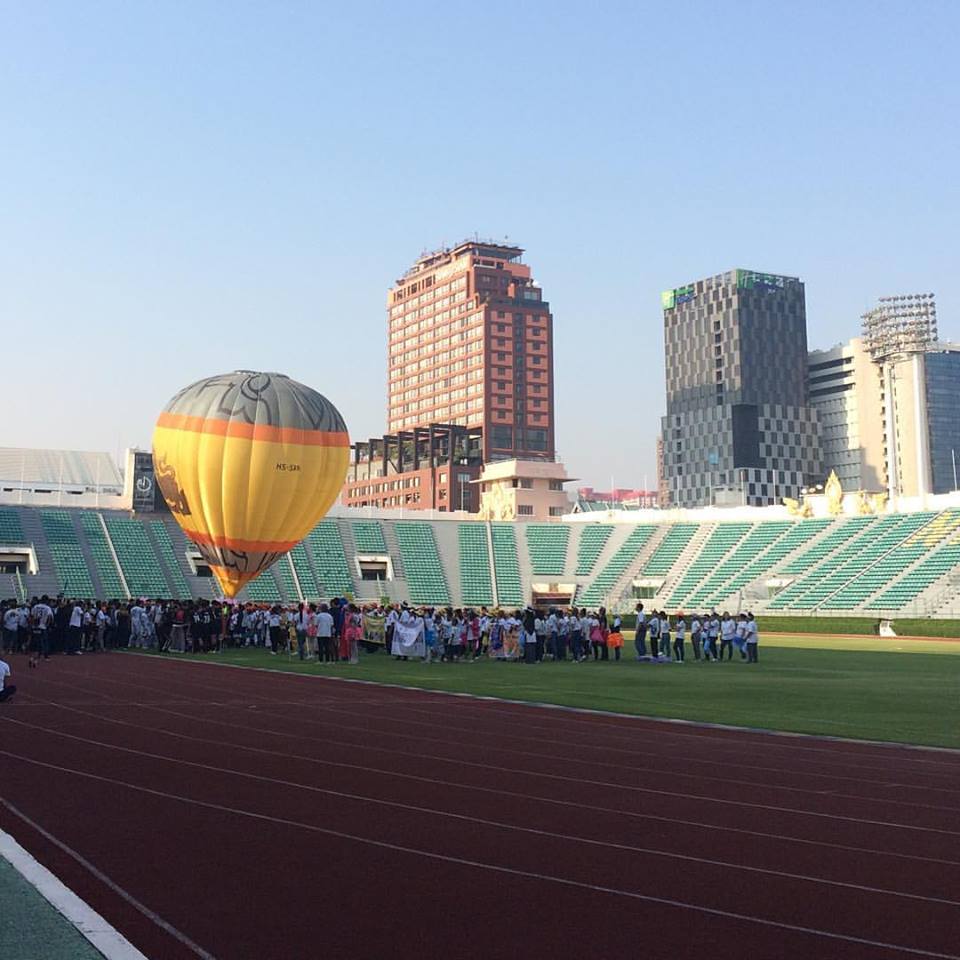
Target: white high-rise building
[847, 392]
[889, 417]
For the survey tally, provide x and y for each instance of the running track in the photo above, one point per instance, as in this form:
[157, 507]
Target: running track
[228, 813]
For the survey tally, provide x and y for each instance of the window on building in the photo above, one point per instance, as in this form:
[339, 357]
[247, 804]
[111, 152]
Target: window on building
[556, 485]
[536, 439]
[524, 510]
[556, 511]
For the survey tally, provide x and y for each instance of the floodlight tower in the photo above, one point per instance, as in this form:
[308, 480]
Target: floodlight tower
[902, 329]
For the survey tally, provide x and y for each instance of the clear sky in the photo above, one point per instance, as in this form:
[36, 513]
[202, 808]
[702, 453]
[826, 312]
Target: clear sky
[191, 187]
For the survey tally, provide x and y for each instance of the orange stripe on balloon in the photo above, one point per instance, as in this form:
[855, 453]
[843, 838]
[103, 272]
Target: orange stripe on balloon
[234, 543]
[254, 431]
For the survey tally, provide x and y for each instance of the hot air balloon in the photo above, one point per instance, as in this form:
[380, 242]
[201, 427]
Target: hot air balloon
[248, 463]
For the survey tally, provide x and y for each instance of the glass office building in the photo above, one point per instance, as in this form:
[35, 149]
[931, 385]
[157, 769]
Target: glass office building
[739, 426]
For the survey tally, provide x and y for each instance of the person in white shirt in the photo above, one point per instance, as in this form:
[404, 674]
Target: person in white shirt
[326, 650]
[389, 625]
[11, 624]
[276, 631]
[664, 636]
[540, 630]
[753, 639]
[695, 635]
[137, 613]
[713, 630]
[75, 630]
[653, 631]
[740, 631]
[728, 633]
[103, 621]
[640, 638]
[41, 616]
[679, 635]
[301, 621]
[576, 636]
[7, 689]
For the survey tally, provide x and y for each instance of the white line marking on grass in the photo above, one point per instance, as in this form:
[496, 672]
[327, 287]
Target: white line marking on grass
[496, 868]
[109, 941]
[103, 936]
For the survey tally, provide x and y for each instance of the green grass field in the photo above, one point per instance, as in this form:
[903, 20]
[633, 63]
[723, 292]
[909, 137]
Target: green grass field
[897, 690]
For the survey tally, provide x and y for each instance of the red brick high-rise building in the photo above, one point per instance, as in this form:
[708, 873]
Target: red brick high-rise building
[469, 381]
[470, 342]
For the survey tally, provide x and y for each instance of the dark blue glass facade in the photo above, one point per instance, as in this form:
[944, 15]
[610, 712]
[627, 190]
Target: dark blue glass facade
[943, 417]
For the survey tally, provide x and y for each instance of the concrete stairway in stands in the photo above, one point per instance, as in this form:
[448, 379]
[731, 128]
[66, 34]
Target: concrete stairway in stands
[45, 580]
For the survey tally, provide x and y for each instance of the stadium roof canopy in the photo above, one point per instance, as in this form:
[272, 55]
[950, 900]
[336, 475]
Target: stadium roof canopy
[584, 505]
[20, 467]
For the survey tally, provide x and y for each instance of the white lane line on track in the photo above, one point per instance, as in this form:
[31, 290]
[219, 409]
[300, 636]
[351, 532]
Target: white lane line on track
[109, 941]
[825, 755]
[433, 781]
[720, 746]
[722, 758]
[884, 745]
[101, 934]
[495, 868]
[899, 825]
[496, 824]
[396, 735]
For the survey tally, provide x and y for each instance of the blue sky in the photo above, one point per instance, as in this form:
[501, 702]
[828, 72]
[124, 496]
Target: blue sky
[187, 188]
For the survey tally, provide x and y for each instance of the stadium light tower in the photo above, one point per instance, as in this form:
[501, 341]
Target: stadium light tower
[903, 328]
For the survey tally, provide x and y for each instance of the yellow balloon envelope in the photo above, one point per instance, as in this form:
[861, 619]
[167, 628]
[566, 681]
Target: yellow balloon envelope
[248, 464]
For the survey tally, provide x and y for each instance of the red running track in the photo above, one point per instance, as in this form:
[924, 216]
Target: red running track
[229, 813]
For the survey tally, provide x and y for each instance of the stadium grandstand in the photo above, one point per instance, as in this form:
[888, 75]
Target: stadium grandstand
[92, 543]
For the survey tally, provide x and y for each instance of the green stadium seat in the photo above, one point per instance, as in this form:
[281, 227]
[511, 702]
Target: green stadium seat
[325, 547]
[506, 566]
[161, 536]
[593, 538]
[137, 558]
[10, 529]
[852, 587]
[798, 533]
[754, 544]
[368, 537]
[69, 562]
[476, 585]
[626, 553]
[418, 551]
[103, 562]
[284, 574]
[263, 589]
[941, 562]
[720, 541]
[547, 543]
[305, 574]
[864, 540]
[670, 547]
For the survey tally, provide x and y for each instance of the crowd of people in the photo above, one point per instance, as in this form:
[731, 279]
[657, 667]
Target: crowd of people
[711, 636]
[334, 632]
[41, 627]
[534, 635]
